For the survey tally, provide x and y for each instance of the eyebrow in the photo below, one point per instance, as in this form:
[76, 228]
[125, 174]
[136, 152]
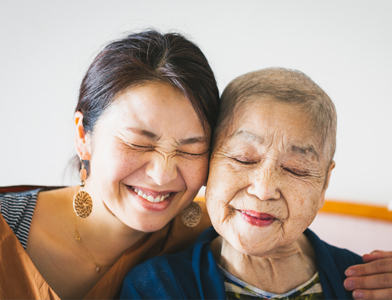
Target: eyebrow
[305, 150]
[193, 140]
[155, 137]
[247, 135]
[143, 132]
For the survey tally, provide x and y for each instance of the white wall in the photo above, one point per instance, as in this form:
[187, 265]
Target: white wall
[343, 231]
[345, 46]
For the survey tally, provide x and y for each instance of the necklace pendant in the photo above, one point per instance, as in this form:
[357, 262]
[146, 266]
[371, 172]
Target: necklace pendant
[97, 269]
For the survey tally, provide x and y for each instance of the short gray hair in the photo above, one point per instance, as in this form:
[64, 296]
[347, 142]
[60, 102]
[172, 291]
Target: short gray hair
[287, 86]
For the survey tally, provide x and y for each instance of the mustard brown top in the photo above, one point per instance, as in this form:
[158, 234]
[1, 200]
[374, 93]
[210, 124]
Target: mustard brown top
[20, 279]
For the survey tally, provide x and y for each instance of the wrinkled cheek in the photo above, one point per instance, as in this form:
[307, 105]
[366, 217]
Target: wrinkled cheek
[215, 208]
[303, 219]
[212, 206]
[313, 206]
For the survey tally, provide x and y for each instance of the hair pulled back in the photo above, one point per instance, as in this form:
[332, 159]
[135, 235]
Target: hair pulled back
[144, 57]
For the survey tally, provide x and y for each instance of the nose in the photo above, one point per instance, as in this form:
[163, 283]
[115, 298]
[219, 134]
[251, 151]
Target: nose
[264, 184]
[162, 170]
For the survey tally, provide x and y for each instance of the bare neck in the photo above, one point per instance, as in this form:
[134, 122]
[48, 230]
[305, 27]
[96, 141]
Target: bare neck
[70, 271]
[104, 232]
[276, 273]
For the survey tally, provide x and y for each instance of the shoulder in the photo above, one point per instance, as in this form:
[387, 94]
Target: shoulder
[155, 278]
[173, 276]
[179, 236]
[10, 195]
[17, 209]
[332, 262]
[342, 258]
[177, 262]
[15, 206]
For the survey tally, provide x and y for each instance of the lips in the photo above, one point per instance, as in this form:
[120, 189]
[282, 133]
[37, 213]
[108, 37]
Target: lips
[257, 218]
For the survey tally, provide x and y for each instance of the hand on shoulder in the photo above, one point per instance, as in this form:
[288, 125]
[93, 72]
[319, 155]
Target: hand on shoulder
[373, 279]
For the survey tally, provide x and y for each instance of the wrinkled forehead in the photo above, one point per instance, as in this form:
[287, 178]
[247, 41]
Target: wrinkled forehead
[258, 119]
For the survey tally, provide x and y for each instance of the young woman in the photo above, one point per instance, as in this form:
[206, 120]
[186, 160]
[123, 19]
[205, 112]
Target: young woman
[146, 110]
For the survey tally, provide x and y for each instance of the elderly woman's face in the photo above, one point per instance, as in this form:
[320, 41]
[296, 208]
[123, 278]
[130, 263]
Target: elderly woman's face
[267, 177]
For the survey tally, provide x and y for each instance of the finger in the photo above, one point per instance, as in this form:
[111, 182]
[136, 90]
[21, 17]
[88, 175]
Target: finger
[373, 294]
[375, 267]
[377, 254]
[375, 251]
[380, 281]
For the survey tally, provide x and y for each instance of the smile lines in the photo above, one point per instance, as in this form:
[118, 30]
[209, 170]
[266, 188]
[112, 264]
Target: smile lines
[149, 197]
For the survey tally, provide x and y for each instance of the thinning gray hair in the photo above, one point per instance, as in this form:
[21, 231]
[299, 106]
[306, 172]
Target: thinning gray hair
[287, 86]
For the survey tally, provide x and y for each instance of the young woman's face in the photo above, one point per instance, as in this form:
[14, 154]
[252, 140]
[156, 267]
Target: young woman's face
[149, 156]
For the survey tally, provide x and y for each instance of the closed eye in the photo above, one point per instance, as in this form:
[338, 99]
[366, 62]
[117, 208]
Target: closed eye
[141, 147]
[192, 154]
[244, 161]
[296, 172]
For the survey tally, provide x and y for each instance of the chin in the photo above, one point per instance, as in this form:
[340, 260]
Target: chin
[257, 250]
[151, 227]
[250, 242]
[246, 246]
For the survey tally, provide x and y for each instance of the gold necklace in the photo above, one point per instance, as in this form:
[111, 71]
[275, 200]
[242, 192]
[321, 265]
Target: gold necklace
[79, 239]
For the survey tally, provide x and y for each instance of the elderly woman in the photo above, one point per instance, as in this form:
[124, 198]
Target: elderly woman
[146, 110]
[269, 170]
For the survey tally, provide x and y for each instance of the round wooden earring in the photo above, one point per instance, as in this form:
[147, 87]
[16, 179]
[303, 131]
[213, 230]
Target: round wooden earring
[191, 215]
[82, 202]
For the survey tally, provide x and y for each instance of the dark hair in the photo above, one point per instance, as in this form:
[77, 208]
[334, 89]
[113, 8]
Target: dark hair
[149, 56]
[288, 86]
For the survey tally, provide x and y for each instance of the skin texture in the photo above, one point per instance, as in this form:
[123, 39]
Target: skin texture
[138, 142]
[269, 161]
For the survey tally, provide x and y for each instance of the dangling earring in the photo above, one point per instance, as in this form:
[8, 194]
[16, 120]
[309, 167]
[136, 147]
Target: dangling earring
[82, 203]
[191, 215]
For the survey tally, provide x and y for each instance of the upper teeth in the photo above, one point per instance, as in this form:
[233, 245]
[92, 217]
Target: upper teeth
[149, 197]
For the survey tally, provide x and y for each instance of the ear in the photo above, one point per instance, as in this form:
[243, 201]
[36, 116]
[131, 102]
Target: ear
[81, 140]
[326, 184]
[330, 168]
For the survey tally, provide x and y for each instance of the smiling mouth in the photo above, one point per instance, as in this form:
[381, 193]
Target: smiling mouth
[150, 198]
[256, 218]
[257, 215]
